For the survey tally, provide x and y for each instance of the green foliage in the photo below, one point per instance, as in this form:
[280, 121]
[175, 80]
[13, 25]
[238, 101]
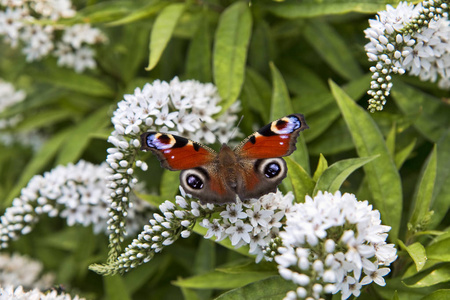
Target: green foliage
[277, 58]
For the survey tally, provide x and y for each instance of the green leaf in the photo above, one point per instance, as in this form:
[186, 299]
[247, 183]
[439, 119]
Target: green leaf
[79, 137]
[390, 139]
[138, 14]
[230, 51]
[422, 198]
[205, 257]
[311, 8]
[170, 183]
[417, 253]
[437, 276]
[115, 289]
[220, 280]
[257, 93]
[301, 182]
[430, 115]
[281, 102]
[226, 242]
[272, 288]
[162, 31]
[382, 175]
[333, 49]
[403, 154]
[333, 177]
[281, 106]
[44, 119]
[80, 83]
[439, 250]
[441, 193]
[322, 165]
[338, 139]
[198, 64]
[141, 276]
[438, 295]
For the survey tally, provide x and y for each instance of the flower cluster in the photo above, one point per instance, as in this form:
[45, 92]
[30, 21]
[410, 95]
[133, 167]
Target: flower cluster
[413, 38]
[30, 24]
[177, 220]
[328, 243]
[18, 293]
[182, 107]
[19, 270]
[254, 222]
[77, 193]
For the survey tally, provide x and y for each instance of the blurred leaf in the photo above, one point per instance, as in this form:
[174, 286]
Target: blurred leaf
[382, 175]
[333, 49]
[322, 165]
[249, 266]
[281, 106]
[115, 288]
[272, 288]
[105, 11]
[432, 120]
[80, 83]
[333, 177]
[441, 193]
[140, 276]
[301, 182]
[44, 118]
[230, 51]
[417, 252]
[311, 8]
[79, 137]
[220, 280]
[440, 275]
[438, 295]
[145, 12]
[198, 64]
[162, 31]
[261, 46]
[424, 192]
[39, 161]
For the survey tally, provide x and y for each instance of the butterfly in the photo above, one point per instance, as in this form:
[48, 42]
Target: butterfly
[250, 170]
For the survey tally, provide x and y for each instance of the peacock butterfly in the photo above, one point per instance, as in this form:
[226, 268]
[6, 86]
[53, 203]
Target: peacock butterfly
[250, 170]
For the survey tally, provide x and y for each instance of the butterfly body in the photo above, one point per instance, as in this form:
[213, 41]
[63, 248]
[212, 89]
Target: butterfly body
[250, 170]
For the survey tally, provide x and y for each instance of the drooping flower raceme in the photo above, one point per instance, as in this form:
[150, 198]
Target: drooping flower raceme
[182, 107]
[332, 243]
[252, 223]
[77, 193]
[30, 23]
[409, 38]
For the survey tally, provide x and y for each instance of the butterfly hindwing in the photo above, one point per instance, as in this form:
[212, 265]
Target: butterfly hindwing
[175, 152]
[276, 139]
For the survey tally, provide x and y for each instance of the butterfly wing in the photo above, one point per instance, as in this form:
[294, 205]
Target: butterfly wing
[263, 151]
[276, 139]
[176, 152]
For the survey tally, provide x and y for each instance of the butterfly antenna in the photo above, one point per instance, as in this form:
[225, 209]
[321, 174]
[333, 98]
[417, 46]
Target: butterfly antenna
[235, 128]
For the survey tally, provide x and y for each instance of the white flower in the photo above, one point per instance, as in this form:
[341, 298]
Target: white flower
[354, 227]
[239, 231]
[80, 34]
[18, 270]
[18, 293]
[165, 118]
[233, 213]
